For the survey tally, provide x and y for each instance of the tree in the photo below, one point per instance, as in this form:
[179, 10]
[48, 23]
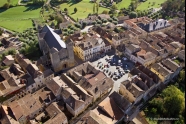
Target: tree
[6, 5]
[174, 101]
[113, 9]
[1, 31]
[65, 9]
[134, 4]
[75, 10]
[94, 6]
[12, 52]
[97, 7]
[105, 12]
[132, 14]
[59, 19]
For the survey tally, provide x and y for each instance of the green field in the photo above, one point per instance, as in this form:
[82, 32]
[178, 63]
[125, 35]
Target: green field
[18, 18]
[145, 5]
[12, 2]
[83, 9]
[123, 4]
[17, 25]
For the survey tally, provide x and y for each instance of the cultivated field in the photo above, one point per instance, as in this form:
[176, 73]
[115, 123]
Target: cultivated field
[83, 9]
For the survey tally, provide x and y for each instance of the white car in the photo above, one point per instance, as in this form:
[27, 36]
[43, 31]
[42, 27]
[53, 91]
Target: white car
[124, 58]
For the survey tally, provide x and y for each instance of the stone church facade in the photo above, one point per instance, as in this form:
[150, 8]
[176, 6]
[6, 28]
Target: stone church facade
[57, 54]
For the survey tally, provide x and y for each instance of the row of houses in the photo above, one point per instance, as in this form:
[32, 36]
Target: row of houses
[75, 90]
[125, 106]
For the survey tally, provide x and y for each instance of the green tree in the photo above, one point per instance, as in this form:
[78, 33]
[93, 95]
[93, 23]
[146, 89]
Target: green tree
[105, 12]
[1, 31]
[12, 52]
[6, 5]
[174, 101]
[97, 7]
[65, 9]
[75, 10]
[133, 14]
[94, 6]
[59, 19]
[113, 9]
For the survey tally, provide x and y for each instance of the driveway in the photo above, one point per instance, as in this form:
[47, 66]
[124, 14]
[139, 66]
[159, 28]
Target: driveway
[86, 28]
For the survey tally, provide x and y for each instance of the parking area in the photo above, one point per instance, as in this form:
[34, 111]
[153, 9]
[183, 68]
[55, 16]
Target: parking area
[115, 68]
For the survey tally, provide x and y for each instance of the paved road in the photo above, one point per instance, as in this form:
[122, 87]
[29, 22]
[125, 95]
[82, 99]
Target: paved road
[19, 3]
[86, 28]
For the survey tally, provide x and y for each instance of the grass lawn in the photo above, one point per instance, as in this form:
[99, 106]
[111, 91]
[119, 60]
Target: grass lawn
[123, 4]
[151, 121]
[20, 12]
[144, 5]
[83, 9]
[17, 25]
[18, 18]
[13, 2]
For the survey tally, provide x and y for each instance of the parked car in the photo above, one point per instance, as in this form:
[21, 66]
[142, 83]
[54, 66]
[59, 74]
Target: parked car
[117, 67]
[107, 70]
[115, 72]
[111, 75]
[115, 78]
[119, 61]
[124, 58]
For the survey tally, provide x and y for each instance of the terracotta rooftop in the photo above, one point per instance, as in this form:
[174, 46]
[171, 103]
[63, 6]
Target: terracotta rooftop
[59, 118]
[94, 80]
[55, 84]
[91, 118]
[109, 106]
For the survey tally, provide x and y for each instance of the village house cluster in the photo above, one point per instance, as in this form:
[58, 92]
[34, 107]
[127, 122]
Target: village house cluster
[76, 74]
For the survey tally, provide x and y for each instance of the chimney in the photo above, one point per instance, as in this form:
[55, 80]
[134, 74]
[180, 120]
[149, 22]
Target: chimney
[86, 121]
[139, 74]
[80, 97]
[158, 69]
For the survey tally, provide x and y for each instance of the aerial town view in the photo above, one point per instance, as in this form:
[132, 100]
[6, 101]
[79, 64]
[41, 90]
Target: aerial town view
[92, 61]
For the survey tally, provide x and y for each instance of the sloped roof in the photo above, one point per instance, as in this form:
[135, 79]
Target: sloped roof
[33, 70]
[22, 60]
[91, 118]
[120, 101]
[74, 102]
[55, 84]
[173, 66]
[47, 73]
[109, 106]
[52, 39]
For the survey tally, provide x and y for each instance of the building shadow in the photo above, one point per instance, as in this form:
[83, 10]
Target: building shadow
[30, 8]
[2, 10]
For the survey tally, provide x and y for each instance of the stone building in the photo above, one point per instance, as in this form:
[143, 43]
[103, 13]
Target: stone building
[57, 54]
[89, 46]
